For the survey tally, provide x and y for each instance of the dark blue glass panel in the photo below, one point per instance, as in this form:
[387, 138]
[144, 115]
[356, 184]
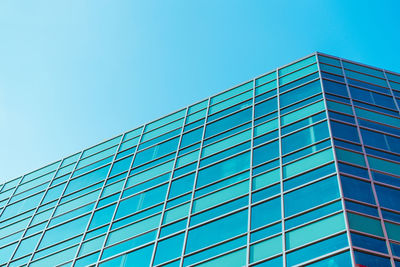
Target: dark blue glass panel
[361, 208]
[382, 154]
[341, 117]
[331, 76]
[335, 88]
[370, 243]
[365, 259]
[357, 171]
[381, 140]
[388, 197]
[342, 260]
[348, 145]
[345, 131]
[367, 85]
[386, 178]
[357, 189]
[380, 127]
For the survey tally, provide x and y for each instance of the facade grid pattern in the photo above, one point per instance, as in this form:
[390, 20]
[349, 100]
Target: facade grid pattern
[299, 166]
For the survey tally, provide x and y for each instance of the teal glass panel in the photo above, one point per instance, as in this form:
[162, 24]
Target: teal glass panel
[364, 224]
[129, 244]
[181, 185]
[305, 137]
[316, 250]
[91, 245]
[102, 216]
[156, 151]
[223, 169]
[315, 231]
[313, 215]
[265, 153]
[140, 257]
[266, 78]
[300, 93]
[221, 196]
[230, 102]
[266, 248]
[196, 107]
[216, 231]
[266, 179]
[87, 179]
[307, 163]
[298, 74]
[169, 249]
[219, 210]
[121, 166]
[141, 201]
[213, 251]
[102, 146]
[64, 231]
[173, 228]
[266, 232]
[165, 120]
[191, 137]
[26, 245]
[150, 173]
[297, 65]
[133, 133]
[133, 229]
[224, 154]
[342, 259]
[57, 258]
[176, 213]
[311, 196]
[225, 143]
[231, 92]
[260, 216]
[265, 107]
[301, 113]
[222, 183]
[87, 260]
[228, 122]
[393, 231]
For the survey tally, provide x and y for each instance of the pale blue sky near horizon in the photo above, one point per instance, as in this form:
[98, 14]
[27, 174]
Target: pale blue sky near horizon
[74, 73]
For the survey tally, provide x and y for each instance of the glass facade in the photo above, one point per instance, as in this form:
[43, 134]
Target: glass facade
[299, 166]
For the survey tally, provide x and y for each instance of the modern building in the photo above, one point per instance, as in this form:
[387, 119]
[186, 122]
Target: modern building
[300, 166]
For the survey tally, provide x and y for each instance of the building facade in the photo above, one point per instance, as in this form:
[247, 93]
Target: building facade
[299, 166]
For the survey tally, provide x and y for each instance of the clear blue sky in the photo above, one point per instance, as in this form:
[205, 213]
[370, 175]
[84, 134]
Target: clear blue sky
[76, 72]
